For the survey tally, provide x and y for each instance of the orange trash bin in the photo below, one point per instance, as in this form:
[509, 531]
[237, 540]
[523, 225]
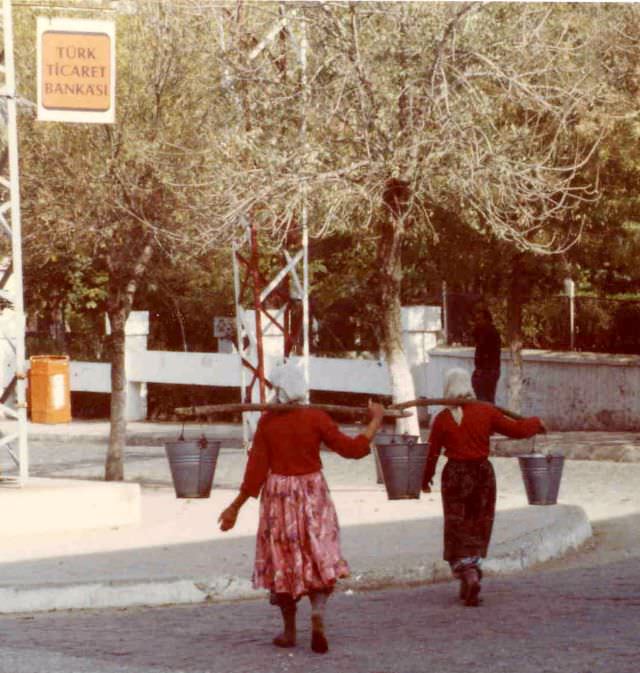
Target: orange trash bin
[49, 389]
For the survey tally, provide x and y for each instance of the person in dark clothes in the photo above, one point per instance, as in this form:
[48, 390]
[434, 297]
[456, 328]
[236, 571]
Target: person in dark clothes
[468, 485]
[487, 356]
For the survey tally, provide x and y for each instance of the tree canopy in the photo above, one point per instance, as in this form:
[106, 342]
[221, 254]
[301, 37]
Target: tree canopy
[413, 134]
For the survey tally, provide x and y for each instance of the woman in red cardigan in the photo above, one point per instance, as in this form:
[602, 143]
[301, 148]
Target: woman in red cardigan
[298, 540]
[468, 485]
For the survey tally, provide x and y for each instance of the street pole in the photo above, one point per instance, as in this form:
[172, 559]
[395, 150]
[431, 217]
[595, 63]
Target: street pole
[17, 336]
[444, 312]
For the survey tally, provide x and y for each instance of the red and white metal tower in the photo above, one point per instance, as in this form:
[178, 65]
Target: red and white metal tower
[278, 306]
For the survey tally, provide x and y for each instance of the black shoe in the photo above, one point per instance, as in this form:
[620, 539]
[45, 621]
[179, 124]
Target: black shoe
[471, 578]
[463, 589]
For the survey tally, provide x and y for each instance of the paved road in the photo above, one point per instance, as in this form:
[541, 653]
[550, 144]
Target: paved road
[579, 614]
[583, 620]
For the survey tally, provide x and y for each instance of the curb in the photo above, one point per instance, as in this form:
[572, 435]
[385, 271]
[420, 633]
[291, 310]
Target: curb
[124, 594]
[139, 433]
[156, 439]
[569, 532]
[542, 544]
[113, 594]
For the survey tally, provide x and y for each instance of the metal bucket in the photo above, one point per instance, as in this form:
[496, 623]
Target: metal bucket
[384, 440]
[402, 467]
[541, 475]
[193, 464]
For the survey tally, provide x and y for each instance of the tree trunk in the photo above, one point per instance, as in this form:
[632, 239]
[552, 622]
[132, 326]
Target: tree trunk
[402, 386]
[120, 303]
[114, 464]
[515, 303]
[57, 328]
[389, 281]
[183, 331]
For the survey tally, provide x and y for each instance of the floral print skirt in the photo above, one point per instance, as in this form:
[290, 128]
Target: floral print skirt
[298, 541]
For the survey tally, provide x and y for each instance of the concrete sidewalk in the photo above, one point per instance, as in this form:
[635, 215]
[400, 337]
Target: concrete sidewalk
[176, 554]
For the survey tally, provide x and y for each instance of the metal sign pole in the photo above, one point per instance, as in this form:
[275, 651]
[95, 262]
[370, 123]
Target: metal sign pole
[13, 186]
[445, 313]
[570, 289]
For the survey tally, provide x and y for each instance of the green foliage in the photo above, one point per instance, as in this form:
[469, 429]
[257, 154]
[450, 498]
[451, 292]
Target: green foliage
[489, 112]
[343, 302]
[183, 295]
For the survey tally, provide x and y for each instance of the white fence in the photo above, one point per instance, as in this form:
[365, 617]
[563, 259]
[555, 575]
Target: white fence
[581, 391]
[362, 375]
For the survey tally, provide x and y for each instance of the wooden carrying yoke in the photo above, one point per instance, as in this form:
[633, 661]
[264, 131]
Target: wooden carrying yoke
[209, 409]
[450, 402]
[394, 411]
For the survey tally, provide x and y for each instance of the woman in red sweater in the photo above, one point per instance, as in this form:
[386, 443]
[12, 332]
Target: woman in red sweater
[298, 541]
[468, 485]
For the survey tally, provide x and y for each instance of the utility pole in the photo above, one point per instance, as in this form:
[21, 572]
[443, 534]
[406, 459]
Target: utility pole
[12, 321]
[570, 289]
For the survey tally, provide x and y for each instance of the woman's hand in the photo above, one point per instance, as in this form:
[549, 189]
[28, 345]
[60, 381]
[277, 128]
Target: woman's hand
[376, 411]
[543, 428]
[227, 519]
[427, 483]
[376, 414]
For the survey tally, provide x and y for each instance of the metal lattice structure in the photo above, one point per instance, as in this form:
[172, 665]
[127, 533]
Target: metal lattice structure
[12, 317]
[281, 303]
[278, 304]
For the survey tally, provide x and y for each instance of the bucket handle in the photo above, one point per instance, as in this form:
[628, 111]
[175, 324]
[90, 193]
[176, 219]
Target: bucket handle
[409, 441]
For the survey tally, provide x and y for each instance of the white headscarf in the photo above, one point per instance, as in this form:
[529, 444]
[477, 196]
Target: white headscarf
[457, 383]
[289, 382]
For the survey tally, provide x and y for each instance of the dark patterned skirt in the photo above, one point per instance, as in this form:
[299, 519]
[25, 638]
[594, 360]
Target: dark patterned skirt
[469, 503]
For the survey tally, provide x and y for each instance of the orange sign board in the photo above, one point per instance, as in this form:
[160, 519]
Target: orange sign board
[75, 70]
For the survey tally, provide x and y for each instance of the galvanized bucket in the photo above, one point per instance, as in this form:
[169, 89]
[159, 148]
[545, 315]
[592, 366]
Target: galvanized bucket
[193, 464]
[402, 467]
[384, 439]
[541, 475]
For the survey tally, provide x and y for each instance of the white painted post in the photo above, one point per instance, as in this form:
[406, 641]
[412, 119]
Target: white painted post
[8, 340]
[420, 326]
[136, 331]
[7, 362]
[273, 351]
